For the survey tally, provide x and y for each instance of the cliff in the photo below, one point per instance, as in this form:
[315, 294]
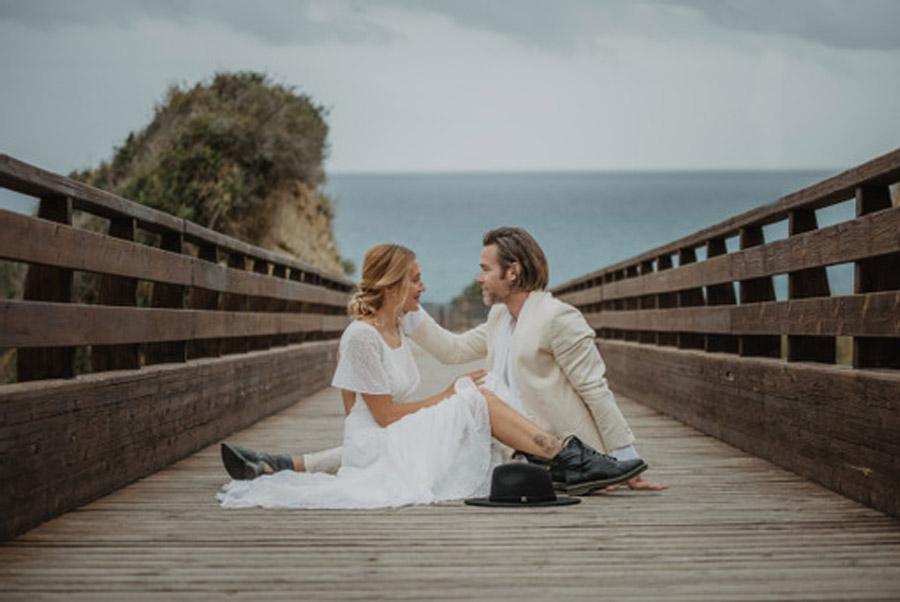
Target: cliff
[239, 155]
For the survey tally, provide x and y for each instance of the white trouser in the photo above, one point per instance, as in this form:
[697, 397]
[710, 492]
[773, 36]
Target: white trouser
[327, 460]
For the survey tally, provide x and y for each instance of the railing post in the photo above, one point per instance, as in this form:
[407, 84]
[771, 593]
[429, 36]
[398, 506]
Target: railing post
[876, 274]
[48, 283]
[235, 303]
[168, 295]
[802, 284]
[119, 291]
[205, 299]
[757, 290]
[631, 303]
[666, 301]
[255, 304]
[720, 294]
[278, 306]
[295, 307]
[692, 297]
[647, 302]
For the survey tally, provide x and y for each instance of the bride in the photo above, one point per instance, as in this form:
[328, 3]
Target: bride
[398, 451]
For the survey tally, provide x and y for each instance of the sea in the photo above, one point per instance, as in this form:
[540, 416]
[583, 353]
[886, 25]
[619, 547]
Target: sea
[583, 220]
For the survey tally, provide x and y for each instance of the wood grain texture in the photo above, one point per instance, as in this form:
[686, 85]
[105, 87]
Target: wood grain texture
[856, 240]
[29, 324]
[66, 442]
[835, 425]
[877, 173]
[44, 243]
[732, 527]
[34, 181]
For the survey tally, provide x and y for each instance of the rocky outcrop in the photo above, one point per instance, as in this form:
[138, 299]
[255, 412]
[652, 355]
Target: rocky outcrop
[300, 226]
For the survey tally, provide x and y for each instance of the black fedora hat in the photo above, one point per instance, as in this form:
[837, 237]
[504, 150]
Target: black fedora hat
[521, 485]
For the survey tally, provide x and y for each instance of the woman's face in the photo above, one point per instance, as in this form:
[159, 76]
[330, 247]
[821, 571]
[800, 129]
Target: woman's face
[415, 290]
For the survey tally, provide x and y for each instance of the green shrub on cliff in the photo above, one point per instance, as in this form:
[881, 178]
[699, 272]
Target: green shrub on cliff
[214, 152]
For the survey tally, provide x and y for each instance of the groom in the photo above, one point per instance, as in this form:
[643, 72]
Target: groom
[540, 351]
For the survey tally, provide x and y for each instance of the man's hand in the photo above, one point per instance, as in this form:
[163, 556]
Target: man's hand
[639, 483]
[476, 375]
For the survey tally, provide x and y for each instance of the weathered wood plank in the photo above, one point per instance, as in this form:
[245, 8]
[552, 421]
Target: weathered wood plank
[805, 283]
[79, 439]
[881, 171]
[171, 296]
[121, 291]
[41, 242]
[876, 273]
[200, 235]
[871, 315]
[868, 236]
[40, 324]
[837, 426]
[731, 527]
[28, 179]
[48, 283]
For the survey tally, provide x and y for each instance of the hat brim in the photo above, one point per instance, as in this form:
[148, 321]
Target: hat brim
[561, 500]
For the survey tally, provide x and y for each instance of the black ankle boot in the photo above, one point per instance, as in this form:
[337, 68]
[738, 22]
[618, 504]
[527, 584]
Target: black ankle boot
[585, 469]
[557, 474]
[243, 464]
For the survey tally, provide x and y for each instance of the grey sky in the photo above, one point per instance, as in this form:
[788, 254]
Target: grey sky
[434, 85]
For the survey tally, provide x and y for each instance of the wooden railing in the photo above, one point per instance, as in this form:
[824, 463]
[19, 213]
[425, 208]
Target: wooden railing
[185, 335]
[812, 381]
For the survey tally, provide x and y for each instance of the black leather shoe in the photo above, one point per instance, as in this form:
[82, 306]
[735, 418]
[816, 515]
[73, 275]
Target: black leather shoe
[557, 475]
[586, 469]
[243, 464]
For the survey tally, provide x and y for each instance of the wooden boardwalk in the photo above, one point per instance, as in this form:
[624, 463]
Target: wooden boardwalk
[732, 527]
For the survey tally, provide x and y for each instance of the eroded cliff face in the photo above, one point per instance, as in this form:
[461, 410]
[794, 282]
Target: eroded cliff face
[300, 226]
[238, 154]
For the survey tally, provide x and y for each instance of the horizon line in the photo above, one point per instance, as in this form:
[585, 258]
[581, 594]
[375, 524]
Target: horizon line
[423, 172]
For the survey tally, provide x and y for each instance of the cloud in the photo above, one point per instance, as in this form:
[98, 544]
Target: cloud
[850, 24]
[273, 22]
[550, 25]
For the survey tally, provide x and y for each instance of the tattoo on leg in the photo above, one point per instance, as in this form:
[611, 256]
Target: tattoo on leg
[550, 445]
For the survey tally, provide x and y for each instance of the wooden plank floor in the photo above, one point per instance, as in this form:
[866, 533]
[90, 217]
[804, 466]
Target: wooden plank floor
[732, 527]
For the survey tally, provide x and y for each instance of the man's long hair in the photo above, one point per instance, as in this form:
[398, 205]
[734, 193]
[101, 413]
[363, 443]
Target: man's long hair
[515, 245]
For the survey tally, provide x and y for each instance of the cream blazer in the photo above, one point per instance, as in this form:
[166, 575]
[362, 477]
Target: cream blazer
[560, 373]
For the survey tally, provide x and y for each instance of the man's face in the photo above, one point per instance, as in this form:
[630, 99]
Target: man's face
[496, 286]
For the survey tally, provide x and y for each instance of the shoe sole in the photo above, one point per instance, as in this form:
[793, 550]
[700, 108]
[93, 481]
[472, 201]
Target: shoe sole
[589, 486]
[237, 466]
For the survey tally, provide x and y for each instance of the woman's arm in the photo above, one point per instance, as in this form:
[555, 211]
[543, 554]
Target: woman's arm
[386, 411]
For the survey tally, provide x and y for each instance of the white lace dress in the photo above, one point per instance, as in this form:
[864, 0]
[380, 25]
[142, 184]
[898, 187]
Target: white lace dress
[441, 452]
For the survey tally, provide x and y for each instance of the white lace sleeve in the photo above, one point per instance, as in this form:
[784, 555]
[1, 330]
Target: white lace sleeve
[361, 367]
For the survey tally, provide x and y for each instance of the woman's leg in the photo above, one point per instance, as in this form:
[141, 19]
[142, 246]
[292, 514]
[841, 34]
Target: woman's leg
[517, 431]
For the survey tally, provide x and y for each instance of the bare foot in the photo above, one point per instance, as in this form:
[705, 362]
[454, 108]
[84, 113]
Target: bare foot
[639, 483]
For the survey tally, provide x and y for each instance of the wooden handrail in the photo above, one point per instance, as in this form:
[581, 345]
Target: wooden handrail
[882, 171]
[635, 300]
[810, 382]
[229, 298]
[27, 179]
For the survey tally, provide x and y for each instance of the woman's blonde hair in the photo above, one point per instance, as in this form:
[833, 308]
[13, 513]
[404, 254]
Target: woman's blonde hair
[384, 266]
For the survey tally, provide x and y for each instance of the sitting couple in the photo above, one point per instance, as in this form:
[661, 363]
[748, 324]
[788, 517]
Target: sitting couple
[546, 381]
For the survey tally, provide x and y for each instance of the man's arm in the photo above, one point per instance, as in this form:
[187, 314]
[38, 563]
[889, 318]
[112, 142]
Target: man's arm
[575, 351]
[448, 347]
[572, 344]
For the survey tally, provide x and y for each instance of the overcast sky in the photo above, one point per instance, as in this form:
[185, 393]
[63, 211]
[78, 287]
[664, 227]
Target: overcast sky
[460, 85]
